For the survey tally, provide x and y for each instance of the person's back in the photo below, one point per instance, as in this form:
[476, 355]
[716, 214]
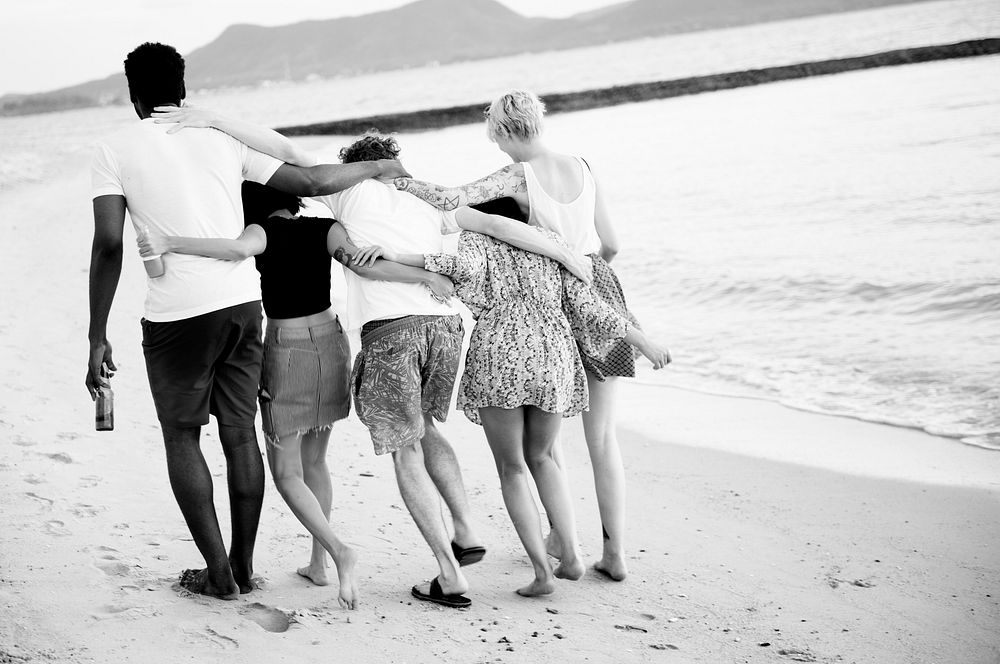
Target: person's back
[376, 213]
[184, 184]
[562, 197]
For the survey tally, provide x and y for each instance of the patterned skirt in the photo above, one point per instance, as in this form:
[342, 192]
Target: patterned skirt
[621, 360]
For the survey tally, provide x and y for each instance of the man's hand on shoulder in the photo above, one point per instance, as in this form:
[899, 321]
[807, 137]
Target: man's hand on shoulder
[391, 169]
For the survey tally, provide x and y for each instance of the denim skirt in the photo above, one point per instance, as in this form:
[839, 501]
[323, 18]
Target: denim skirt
[305, 384]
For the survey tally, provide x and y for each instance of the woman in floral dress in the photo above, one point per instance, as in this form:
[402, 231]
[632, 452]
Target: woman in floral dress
[523, 374]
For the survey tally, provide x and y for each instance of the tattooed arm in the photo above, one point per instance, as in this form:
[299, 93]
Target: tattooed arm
[508, 181]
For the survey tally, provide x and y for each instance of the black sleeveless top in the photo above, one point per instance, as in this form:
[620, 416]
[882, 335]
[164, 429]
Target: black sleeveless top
[295, 266]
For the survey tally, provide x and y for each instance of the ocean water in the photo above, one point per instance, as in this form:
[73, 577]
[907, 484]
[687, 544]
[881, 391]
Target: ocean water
[829, 243]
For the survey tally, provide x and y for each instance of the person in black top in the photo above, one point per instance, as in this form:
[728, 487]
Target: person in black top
[307, 360]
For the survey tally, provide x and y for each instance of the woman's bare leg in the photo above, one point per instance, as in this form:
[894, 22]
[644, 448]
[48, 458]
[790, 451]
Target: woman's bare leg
[599, 425]
[316, 474]
[505, 430]
[285, 459]
[541, 431]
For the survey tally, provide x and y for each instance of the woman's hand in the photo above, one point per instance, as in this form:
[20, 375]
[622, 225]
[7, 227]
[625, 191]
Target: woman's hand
[152, 243]
[658, 355]
[184, 116]
[441, 287]
[366, 256]
[579, 266]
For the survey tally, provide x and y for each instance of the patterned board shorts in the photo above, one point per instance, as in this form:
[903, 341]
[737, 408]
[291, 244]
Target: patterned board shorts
[305, 384]
[621, 360]
[406, 368]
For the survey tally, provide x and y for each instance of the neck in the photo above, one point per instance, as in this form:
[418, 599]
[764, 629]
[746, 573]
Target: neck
[284, 214]
[529, 150]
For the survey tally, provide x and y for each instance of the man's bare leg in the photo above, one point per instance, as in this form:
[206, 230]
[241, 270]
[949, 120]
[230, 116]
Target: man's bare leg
[422, 500]
[245, 477]
[191, 482]
[442, 466]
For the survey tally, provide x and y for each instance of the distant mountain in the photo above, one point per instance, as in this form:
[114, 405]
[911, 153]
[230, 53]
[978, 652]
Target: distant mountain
[426, 31]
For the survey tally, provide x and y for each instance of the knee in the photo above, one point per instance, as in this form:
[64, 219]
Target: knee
[537, 460]
[284, 472]
[408, 456]
[510, 469]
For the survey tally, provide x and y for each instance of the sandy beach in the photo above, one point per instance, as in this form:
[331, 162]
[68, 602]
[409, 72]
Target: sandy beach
[758, 533]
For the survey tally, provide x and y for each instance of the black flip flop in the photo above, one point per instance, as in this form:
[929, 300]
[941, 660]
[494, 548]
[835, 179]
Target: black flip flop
[437, 596]
[468, 556]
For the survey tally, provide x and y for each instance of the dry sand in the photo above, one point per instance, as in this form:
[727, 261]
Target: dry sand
[757, 533]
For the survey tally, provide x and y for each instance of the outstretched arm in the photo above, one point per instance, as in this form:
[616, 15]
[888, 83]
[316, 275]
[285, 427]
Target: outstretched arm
[367, 263]
[326, 179]
[508, 181]
[524, 237]
[105, 270]
[259, 138]
[300, 175]
[251, 242]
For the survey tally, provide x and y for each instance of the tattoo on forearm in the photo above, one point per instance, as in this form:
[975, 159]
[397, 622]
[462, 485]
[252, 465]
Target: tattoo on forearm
[342, 257]
[508, 180]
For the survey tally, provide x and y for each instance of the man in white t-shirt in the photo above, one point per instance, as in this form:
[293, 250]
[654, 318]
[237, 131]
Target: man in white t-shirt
[202, 322]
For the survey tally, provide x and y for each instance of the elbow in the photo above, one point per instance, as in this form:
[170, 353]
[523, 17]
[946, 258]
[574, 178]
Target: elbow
[609, 251]
[315, 184]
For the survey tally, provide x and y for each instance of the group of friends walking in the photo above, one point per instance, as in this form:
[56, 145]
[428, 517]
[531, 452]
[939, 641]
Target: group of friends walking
[552, 333]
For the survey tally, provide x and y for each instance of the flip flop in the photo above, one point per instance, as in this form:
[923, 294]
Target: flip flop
[468, 556]
[437, 596]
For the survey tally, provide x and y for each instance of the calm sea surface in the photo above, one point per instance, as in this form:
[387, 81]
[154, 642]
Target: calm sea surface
[829, 243]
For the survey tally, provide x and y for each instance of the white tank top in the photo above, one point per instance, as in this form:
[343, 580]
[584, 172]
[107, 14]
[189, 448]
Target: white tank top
[573, 221]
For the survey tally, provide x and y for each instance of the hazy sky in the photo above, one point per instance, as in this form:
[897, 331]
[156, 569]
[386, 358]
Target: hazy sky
[47, 44]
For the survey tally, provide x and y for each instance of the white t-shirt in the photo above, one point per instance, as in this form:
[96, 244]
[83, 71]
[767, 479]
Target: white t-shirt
[376, 213]
[185, 184]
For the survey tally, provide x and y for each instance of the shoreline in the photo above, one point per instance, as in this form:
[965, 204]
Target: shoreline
[816, 410]
[439, 118]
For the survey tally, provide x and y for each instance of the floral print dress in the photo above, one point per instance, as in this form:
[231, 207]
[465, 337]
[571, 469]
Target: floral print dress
[530, 313]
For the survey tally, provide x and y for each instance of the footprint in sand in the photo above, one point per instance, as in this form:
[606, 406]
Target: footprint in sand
[89, 481]
[33, 479]
[57, 528]
[61, 457]
[31, 494]
[271, 619]
[23, 442]
[67, 435]
[83, 511]
[109, 563]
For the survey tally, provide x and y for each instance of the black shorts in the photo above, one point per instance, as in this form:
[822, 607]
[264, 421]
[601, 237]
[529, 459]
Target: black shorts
[205, 364]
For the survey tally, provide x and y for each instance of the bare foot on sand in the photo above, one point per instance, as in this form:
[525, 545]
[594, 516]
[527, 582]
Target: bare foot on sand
[537, 588]
[571, 569]
[346, 562]
[243, 575]
[613, 567]
[316, 574]
[197, 581]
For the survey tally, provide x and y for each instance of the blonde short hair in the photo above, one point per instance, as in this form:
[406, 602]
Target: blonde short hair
[516, 114]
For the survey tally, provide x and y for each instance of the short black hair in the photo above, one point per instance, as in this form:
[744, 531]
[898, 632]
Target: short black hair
[259, 201]
[370, 147]
[155, 74]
